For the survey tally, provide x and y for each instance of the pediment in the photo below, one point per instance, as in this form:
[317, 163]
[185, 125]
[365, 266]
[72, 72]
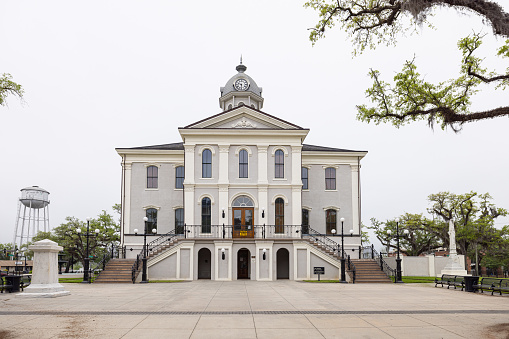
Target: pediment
[243, 117]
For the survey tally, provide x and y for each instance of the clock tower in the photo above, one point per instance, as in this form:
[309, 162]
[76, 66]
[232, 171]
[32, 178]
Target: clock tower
[240, 90]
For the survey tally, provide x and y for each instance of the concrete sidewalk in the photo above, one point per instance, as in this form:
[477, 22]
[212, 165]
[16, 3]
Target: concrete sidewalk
[250, 309]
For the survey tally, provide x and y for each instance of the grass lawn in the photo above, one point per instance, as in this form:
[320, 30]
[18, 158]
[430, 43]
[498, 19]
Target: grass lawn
[71, 280]
[414, 280]
[322, 281]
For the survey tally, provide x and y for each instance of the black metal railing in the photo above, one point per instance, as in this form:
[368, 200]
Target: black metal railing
[246, 231]
[351, 268]
[321, 240]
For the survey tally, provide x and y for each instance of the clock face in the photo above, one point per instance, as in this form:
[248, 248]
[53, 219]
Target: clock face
[241, 85]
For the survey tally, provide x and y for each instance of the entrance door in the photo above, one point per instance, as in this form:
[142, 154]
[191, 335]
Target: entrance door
[243, 264]
[204, 264]
[243, 222]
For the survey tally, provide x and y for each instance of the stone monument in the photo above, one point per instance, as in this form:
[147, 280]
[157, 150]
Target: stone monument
[44, 282]
[454, 266]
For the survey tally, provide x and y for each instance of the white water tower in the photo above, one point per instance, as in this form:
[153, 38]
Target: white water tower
[34, 202]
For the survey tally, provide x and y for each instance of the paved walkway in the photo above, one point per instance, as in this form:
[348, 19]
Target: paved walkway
[249, 309]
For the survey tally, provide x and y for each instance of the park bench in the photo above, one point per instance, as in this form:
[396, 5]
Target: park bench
[4, 286]
[490, 284]
[445, 279]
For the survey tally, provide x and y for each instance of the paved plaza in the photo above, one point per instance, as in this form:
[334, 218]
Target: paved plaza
[250, 309]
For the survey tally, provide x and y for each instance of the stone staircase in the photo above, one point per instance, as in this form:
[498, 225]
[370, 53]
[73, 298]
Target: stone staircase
[368, 271]
[116, 271]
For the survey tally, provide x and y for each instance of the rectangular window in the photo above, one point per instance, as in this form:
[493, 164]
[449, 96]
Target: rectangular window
[304, 178]
[330, 178]
[179, 221]
[206, 165]
[305, 221]
[152, 176]
[179, 177]
[243, 164]
[279, 164]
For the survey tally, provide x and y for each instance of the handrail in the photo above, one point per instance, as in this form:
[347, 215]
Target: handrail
[152, 247]
[351, 268]
[324, 241]
[384, 266]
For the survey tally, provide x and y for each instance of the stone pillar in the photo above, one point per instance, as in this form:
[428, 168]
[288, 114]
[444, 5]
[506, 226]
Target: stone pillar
[356, 226]
[454, 266]
[45, 271]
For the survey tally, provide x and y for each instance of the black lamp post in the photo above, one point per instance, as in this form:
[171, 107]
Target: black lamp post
[144, 279]
[86, 264]
[398, 258]
[343, 263]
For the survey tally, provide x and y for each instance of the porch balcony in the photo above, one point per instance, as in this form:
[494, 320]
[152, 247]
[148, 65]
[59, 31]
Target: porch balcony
[239, 231]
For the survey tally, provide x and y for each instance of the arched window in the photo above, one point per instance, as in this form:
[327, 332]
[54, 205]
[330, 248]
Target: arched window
[152, 176]
[243, 164]
[330, 178]
[280, 164]
[304, 178]
[206, 218]
[151, 214]
[206, 164]
[179, 221]
[330, 221]
[242, 201]
[179, 177]
[280, 215]
[230, 106]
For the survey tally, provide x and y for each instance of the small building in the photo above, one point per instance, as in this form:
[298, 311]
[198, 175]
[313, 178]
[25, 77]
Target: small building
[241, 196]
[15, 266]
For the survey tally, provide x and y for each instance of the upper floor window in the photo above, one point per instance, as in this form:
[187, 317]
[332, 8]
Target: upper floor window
[243, 164]
[179, 221]
[280, 215]
[151, 224]
[280, 164]
[330, 178]
[330, 221]
[206, 164]
[304, 178]
[206, 215]
[152, 176]
[179, 177]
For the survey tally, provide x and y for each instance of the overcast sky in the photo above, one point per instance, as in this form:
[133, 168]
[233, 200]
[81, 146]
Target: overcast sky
[104, 74]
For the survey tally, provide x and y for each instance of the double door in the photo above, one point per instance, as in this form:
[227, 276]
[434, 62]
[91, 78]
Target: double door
[243, 222]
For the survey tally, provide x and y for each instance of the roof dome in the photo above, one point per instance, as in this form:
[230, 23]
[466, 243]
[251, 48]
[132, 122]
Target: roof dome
[230, 84]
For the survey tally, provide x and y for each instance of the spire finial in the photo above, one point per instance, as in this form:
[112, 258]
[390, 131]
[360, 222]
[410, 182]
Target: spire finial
[241, 68]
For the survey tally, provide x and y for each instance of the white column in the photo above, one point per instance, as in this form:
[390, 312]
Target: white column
[262, 184]
[223, 181]
[296, 186]
[189, 185]
[355, 199]
[223, 163]
[126, 207]
[262, 165]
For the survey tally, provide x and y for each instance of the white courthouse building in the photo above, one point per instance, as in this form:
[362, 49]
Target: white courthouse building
[241, 196]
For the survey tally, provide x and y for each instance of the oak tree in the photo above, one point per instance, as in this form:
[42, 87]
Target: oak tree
[373, 22]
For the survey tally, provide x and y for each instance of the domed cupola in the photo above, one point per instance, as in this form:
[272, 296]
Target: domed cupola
[240, 90]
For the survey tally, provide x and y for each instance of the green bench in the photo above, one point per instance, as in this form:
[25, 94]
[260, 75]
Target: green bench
[493, 285]
[451, 280]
